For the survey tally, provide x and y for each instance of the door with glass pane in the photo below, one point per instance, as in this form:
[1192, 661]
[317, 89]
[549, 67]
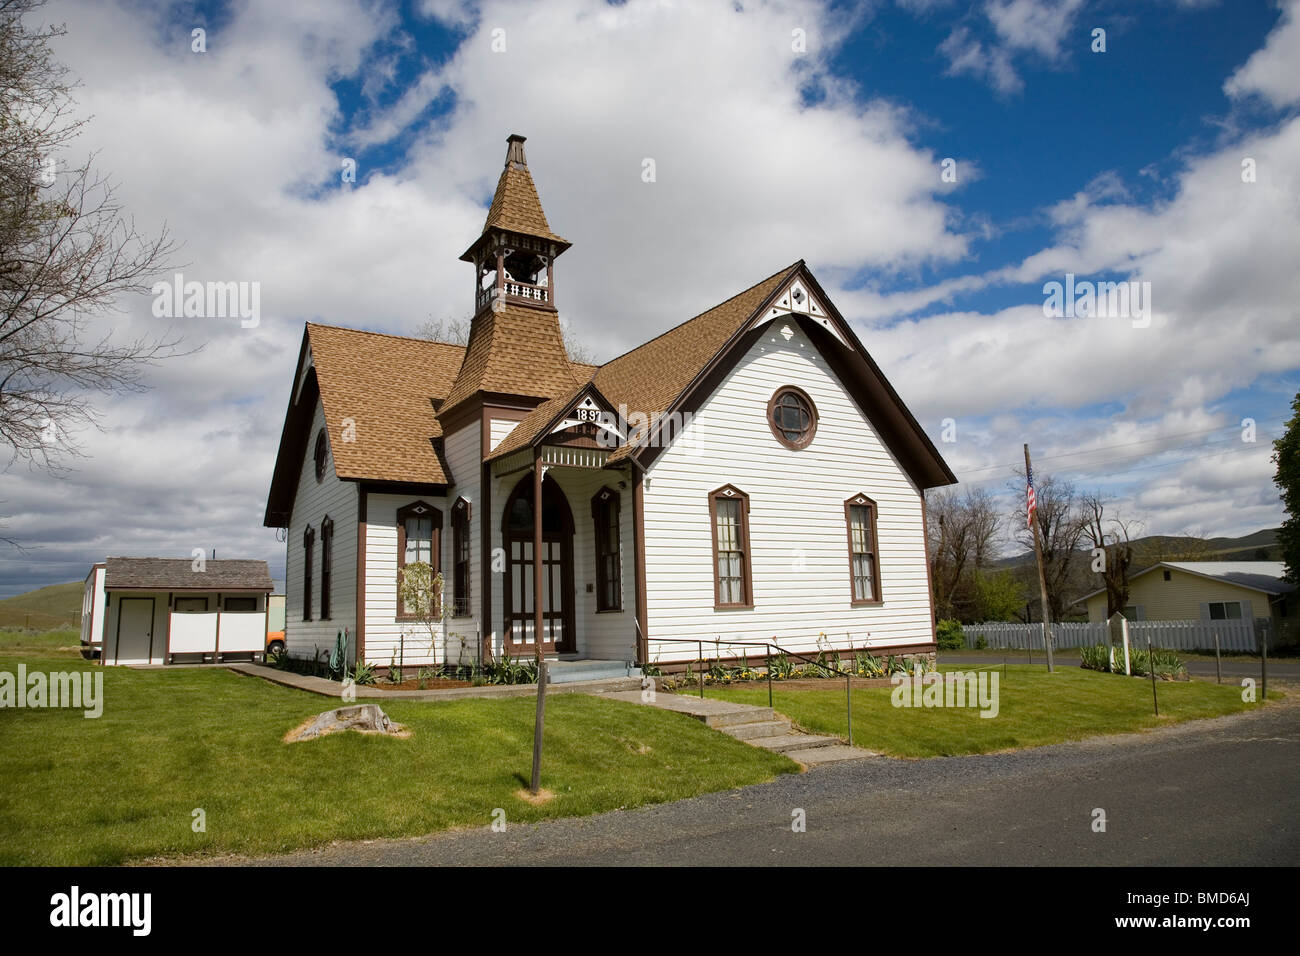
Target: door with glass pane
[557, 571]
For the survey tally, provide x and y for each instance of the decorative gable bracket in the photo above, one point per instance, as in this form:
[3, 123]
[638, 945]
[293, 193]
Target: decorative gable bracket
[796, 299]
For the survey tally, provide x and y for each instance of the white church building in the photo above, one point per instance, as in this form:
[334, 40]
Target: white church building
[748, 475]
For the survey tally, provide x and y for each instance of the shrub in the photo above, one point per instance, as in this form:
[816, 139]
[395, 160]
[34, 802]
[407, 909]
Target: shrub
[950, 635]
[981, 643]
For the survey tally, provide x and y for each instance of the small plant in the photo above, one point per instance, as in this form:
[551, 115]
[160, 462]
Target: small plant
[780, 666]
[865, 665]
[363, 673]
[394, 671]
[1094, 658]
[981, 643]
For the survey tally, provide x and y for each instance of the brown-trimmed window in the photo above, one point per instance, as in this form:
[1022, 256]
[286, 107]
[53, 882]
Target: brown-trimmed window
[320, 455]
[190, 605]
[308, 553]
[864, 571]
[419, 538]
[460, 556]
[605, 517]
[326, 565]
[792, 416]
[732, 578]
[234, 604]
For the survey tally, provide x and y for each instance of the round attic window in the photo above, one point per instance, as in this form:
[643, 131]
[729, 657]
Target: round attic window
[322, 451]
[792, 416]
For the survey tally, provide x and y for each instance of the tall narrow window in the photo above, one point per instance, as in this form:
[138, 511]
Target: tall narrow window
[460, 556]
[860, 516]
[326, 565]
[732, 580]
[419, 534]
[609, 586]
[308, 549]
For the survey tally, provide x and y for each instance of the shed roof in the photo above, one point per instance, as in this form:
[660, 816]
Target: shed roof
[178, 574]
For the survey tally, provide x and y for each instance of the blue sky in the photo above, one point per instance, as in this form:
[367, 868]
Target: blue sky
[1123, 166]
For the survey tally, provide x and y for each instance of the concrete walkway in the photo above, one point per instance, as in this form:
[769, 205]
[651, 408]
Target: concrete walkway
[332, 688]
[757, 726]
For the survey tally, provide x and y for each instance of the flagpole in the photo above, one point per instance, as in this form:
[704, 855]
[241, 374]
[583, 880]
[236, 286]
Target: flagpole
[1038, 554]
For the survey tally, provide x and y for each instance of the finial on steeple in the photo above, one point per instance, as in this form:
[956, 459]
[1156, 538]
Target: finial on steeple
[515, 152]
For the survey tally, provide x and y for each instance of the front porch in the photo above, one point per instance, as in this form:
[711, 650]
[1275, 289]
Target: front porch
[585, 533]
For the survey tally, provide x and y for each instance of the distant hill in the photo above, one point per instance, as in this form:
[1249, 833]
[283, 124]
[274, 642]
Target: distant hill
[1259, 546]
[58, 605]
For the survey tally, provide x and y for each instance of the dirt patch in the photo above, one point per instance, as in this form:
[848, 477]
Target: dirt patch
[542, 796]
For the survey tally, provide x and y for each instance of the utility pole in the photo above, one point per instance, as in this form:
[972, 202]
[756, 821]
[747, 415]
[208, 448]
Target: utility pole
[1038, 553]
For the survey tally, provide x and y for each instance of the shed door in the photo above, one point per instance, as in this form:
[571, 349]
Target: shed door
[134, 631]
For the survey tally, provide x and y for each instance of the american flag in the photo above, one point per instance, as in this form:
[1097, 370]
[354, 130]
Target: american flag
[1030, 504]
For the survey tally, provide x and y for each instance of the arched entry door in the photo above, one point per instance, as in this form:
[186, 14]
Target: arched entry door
[557, 569]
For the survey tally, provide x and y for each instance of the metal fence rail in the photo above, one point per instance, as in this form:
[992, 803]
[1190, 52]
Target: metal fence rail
[1177, 635]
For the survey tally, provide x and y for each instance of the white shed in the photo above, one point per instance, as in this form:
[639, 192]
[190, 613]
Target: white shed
[174, 610]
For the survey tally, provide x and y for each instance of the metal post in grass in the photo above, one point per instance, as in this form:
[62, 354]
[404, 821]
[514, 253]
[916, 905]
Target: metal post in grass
[700, 649]
[1151, 666]
[1218, 666]
[769, 675]
[1263, 663]
[540, 723]
[848, 704]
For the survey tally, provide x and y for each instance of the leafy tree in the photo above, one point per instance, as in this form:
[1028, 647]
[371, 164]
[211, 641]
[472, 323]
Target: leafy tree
[999, 596]
[1286, 455]
[420, 593]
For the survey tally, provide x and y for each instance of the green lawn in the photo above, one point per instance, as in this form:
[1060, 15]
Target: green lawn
[1035, 708]
[123, 786]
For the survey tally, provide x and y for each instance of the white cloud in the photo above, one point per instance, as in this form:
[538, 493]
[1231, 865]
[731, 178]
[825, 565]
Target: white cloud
[239, 150]
[1273, 72]
[1036, 27]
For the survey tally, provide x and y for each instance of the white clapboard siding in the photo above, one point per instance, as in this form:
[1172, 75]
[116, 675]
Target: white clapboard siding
[464, 458]
[498, 429]
[797, 526]
[387, 637]
[313, 501]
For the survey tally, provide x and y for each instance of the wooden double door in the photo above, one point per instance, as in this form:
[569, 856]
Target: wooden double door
[558, 634]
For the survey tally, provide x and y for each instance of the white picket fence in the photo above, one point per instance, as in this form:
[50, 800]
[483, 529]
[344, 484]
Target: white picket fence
[1178, 635]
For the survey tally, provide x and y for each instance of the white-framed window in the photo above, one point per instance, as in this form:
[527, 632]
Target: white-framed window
[1225, 610]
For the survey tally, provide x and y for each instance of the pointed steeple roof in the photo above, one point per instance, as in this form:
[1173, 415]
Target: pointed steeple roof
[515, 204]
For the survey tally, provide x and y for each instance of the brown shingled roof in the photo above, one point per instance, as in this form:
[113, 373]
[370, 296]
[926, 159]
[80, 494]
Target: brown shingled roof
[653, 376]
[515, 204]
[517, 351]
[385, 384]
[175, 574]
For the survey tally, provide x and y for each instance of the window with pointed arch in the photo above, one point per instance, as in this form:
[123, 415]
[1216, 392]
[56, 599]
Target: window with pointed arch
[864, 569]
[460, 557]
[733, 585]
[308, 550]
[326, 565]
[605, 516]
[419, 538]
